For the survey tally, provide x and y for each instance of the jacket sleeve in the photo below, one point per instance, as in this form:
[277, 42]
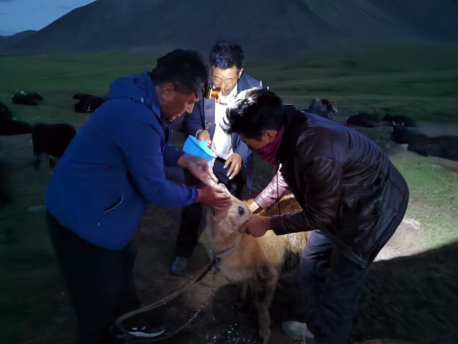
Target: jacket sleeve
[323, 188]
[172, 155]
[273, 192]
[193, 121]
[241, 148]
[140, 143]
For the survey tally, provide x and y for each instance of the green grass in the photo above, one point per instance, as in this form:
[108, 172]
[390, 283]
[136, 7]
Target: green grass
[421, 82]
[58, 78]
[433, 198]
[417, 82]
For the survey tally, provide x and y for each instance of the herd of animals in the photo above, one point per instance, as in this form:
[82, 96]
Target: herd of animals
[50, 139]
[53, 139]
[404, 133]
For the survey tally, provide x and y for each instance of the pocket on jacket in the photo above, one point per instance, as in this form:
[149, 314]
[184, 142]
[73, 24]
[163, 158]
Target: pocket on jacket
[116, 204]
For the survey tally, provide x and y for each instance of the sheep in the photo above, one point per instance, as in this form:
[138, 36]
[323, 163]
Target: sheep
[322, 107]
[26, 98]
[87, 102]
[51, 139]
[254, 264]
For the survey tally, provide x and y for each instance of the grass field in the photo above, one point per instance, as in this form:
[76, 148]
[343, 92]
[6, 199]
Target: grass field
[418, 82]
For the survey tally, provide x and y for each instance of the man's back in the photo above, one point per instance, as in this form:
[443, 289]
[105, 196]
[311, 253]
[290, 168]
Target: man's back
[344, 182]
[114, 166]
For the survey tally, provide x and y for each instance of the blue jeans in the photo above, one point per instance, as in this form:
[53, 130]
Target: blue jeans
[332, 287]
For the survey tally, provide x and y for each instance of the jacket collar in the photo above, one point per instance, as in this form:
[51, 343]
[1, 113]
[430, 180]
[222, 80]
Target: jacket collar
[139, 88]
[294, 122]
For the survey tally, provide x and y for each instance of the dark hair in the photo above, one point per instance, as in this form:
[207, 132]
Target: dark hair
[226, 55]
[253, 111]
[182, 68]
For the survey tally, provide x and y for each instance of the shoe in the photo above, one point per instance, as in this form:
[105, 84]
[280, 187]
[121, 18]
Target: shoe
[297, 330]
[179, 266]
[150, 331]
[140, 331]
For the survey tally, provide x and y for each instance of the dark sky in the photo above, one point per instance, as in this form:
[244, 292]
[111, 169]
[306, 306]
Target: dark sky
[21, 15]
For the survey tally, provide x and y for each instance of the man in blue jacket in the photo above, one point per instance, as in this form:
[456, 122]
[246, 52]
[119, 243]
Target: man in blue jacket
[234, 163]
[109, 173]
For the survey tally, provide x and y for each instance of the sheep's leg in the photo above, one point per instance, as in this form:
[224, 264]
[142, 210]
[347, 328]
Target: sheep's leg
[242, 291]
[263, 293]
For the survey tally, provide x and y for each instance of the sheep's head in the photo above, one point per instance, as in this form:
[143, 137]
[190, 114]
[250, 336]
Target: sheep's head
[233, 216]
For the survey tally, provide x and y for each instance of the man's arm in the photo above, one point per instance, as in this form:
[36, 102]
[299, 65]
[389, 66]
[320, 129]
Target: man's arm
[241, 148]
[272, 193]
[147, 170]
[172, 155]
[140, 143]
[238, 158]
[323, 188]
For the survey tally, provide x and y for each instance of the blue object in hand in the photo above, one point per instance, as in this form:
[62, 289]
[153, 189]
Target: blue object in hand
[198, 149]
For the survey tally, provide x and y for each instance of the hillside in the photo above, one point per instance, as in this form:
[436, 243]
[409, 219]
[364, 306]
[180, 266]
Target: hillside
[273, 28]
[9, 40]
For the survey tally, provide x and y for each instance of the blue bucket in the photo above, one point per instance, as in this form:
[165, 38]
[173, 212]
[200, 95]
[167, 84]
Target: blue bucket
[198, 149]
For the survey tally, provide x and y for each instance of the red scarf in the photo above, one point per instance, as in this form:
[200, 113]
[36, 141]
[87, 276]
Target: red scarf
[268, 153]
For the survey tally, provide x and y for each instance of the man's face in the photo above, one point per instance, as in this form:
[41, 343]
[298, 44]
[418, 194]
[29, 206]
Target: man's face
[174, 103]
[267, 137]
[226, 79]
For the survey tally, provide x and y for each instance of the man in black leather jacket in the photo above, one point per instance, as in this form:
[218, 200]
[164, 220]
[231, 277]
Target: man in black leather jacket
[352, 197]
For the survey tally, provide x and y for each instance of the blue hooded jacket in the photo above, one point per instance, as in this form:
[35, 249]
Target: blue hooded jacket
[114, 167]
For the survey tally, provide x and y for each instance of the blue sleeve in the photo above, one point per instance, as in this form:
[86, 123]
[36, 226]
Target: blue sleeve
[240, 147]
[193, 121]
[171, 155]
[140, 141]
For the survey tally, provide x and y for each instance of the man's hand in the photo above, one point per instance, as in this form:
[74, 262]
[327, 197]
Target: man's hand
[254, 207]
[214, 197]
[200, 169]
[235, 160]
[204, 135]
[257, 226]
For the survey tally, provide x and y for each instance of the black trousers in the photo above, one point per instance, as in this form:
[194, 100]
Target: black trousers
[99, 280]
[191, 216]
[332, 286]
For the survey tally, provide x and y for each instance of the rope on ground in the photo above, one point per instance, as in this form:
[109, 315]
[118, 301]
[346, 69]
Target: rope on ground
[131, 339]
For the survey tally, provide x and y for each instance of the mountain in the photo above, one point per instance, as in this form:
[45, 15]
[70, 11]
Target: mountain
[263, 27]
[9, 40]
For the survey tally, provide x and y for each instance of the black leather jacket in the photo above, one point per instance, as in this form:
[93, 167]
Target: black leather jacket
[346, 186]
